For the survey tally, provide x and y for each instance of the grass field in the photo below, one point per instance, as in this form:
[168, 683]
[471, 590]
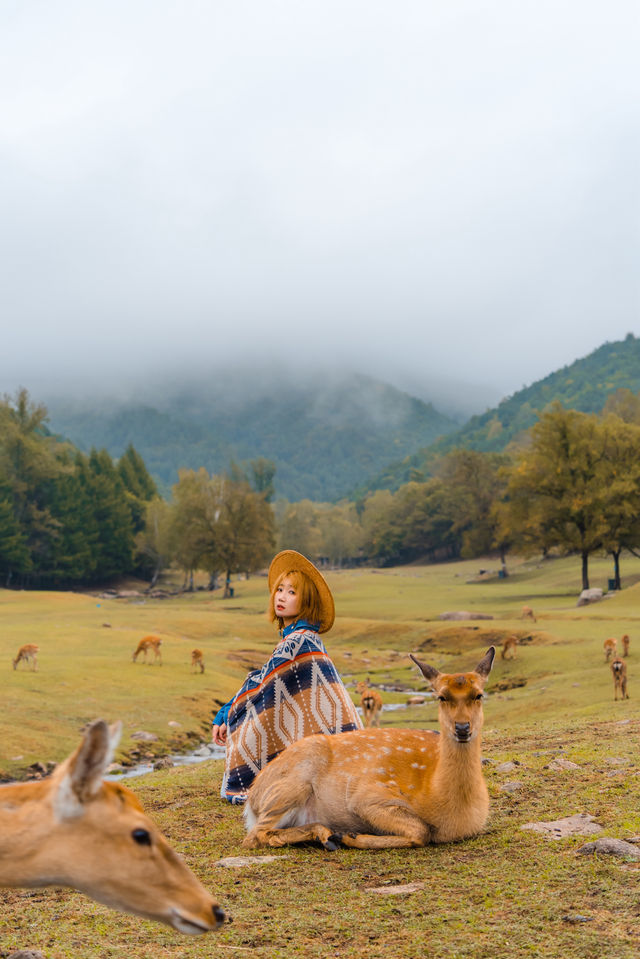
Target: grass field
[508, 892]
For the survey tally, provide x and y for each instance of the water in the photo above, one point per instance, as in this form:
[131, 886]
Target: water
[185, 759]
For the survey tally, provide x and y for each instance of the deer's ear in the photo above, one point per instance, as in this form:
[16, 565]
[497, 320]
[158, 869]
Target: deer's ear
[84, 770]
[429, 672]
[484, 666]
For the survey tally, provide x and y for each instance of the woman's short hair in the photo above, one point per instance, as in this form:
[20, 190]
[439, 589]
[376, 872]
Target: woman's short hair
[310, 604]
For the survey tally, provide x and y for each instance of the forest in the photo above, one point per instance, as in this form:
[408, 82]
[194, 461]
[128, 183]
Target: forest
[570, 485]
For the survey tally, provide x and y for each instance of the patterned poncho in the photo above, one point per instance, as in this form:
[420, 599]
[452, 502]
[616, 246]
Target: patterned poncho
[297, 692]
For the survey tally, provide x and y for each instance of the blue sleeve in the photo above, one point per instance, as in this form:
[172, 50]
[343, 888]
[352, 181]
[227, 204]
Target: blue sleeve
[223, 714]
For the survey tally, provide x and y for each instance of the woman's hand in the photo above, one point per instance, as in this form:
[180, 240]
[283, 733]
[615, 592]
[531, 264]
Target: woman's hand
[219, 735]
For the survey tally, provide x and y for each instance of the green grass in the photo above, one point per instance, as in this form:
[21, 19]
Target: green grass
[505, 893]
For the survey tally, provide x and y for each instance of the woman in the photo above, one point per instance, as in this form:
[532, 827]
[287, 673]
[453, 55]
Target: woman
[297, 692]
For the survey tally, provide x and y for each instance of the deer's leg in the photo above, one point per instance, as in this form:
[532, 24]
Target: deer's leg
[399, 828]
[294, 834]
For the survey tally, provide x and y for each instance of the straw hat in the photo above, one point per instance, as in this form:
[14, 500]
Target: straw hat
[289, 560]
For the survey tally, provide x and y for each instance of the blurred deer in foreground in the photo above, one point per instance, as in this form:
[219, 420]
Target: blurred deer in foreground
[625, 645]
[610, 649]
[371, 703]
[27, 654]
[73, 829]
[149, 643]
[527, 613]
[381, 788]
[619, 670]
[197, 660]
[509, 648]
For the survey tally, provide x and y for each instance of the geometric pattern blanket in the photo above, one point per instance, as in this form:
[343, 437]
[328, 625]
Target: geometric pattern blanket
[297, 693]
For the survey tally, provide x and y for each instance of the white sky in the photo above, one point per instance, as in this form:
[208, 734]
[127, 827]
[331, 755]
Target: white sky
[424, 191]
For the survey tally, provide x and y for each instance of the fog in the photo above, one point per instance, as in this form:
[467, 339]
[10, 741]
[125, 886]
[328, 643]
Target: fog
[441, 195]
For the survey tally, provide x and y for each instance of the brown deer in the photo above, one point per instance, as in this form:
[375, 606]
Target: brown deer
[152, 643]
[381, 788]
[371, 703]
[509, 647]
[625, 645]
[197, 660]
[527, 613]
[27, 654]
[610, 648]
[73, 829]
[619, 670]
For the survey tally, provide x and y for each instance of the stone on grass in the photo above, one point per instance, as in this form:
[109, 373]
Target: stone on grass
[589, 596]
[27, 954]
[562, 764]
[507, 767]
[144, 736]
[582, 824]
[610, 847]
[462, 614]
[237, 862]
[511, 787]
[396, 890]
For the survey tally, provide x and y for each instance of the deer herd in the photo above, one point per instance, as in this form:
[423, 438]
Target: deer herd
[371, 788]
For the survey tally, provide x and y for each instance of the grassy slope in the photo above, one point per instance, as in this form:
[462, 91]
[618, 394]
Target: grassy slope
[505, 893]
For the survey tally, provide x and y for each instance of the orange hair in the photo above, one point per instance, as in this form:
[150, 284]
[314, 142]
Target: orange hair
[310, 605]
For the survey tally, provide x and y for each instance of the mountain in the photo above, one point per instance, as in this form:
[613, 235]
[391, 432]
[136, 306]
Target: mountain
[584, 386]
[326, 435]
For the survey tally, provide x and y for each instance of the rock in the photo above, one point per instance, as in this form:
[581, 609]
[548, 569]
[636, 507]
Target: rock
[562, 764]
[128, 594]
[582, 824]
[507, 767]
[463, 614]
[511, 787]
[27, 954]
[576, 917]
[144, 737]
[237, 862]
[174, 724]
[115, 768]
[203, 752]
[610, 847]
[396, 890]
[589, 596]
[416, 701]
[164, 763]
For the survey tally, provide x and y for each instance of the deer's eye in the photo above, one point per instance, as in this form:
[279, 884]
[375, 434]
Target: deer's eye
[442, 699]
[141, 836]
[479, 697]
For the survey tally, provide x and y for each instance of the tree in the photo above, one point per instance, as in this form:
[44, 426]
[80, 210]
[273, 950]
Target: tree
[247, 533]
[621, 492]
[154, 542]
[557, 489]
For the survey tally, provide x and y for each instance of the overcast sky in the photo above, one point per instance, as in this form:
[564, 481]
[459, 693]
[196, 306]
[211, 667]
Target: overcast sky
[426, 191]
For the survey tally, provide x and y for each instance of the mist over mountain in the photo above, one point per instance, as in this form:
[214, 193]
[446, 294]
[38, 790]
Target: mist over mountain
[326, 434]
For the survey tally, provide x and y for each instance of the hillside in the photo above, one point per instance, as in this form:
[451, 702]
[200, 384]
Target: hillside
[325, 436]
[584, 385]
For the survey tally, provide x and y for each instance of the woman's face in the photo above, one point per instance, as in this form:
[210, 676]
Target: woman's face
[286, 602]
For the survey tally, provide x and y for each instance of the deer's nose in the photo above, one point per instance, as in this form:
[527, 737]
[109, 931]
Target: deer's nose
[219, 914]
[463, 731]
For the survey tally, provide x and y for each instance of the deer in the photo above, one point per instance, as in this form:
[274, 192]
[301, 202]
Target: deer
[380, 788]
[371, 703]
[152, 643]
[73, 829]
[509, 647]
[197, 660]
[625, 645]
[610, 649]
[619, 670]
[528, 613]
[27, 654]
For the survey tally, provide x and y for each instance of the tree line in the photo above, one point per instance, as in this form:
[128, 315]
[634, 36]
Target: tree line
[570, 486]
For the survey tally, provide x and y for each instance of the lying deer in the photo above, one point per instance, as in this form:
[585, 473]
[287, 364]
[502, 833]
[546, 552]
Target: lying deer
[152, 643]
[27, 654]
[527, 613]
[73, 829]
[610, 649]
[383, 788]
[509, 647]
[197, 660]
[371, 703]
[625, 645]
[619, 670]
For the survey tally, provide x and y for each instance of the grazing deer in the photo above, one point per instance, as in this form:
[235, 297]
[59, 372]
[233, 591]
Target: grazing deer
[509, 647]
[197, 660]
[527, 613]
[371, 703]
[619, 670]
[625, 645]
[27, 654]
[73, 829]
[610, 649]
[380, 788]
[149, 643]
